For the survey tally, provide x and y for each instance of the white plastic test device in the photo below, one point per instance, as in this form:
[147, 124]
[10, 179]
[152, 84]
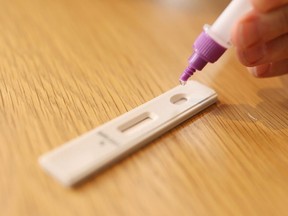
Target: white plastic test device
[115, 139]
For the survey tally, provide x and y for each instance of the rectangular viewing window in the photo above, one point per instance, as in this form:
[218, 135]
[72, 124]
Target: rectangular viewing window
[136, 123]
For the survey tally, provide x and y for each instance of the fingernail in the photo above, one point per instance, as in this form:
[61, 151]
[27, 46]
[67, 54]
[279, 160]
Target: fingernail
[253, 71]
[254, 55]
[261, 70]
[249, 33]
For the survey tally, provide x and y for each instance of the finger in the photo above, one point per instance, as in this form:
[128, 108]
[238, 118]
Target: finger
[272, 51]
[256, 28]
[270, 69]
[267, 5]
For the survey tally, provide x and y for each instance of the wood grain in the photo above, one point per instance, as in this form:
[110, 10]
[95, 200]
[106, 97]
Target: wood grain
[69, 66]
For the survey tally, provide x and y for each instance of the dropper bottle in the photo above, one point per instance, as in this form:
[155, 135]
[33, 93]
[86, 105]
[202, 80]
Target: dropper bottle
[216, 39]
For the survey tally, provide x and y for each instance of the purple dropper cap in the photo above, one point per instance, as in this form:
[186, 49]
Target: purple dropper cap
[205, 50]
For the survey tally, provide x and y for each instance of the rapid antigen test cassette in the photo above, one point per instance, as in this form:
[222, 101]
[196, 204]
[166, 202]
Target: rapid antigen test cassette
[115, 139]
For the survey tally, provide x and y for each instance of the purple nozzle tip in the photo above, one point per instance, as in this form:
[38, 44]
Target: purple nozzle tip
[188, 72]
[205, 50]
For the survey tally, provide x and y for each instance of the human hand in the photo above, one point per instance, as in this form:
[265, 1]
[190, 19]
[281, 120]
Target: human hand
[261, 38]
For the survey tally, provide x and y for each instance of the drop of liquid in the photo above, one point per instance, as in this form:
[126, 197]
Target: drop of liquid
[182, 82]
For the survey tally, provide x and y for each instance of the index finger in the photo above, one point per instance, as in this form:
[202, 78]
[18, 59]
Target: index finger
[268, 5]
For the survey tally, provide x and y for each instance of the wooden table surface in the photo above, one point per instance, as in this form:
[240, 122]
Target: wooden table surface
[68, 66]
